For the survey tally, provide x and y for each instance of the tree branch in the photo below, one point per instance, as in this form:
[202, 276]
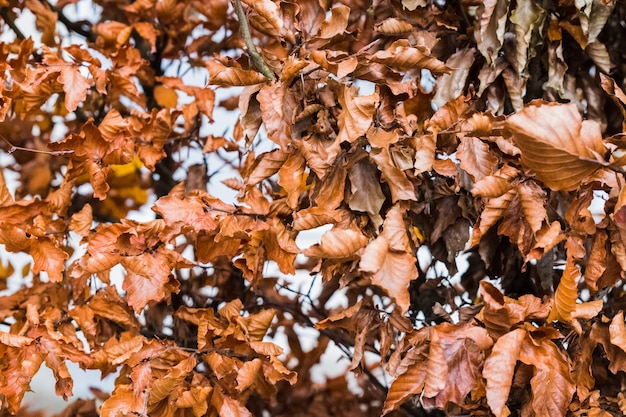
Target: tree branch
[257, 60]
[82, 28]
[8, 19]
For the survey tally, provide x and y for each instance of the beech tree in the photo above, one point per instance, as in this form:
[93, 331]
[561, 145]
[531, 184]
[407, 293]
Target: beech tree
[418, 132]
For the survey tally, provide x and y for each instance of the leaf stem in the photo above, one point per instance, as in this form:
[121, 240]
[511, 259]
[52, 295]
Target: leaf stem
[257, 60]
[13, 148]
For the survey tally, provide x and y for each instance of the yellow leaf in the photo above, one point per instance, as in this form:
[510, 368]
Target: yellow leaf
[165, 97]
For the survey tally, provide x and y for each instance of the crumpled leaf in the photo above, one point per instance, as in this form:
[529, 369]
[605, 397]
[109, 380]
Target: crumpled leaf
[356, 115]
[492, 15]
[600, 55]
[366, 194]
[527, 18]
[451, 85]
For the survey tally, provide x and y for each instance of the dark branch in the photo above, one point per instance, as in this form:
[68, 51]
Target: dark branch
[8, 19]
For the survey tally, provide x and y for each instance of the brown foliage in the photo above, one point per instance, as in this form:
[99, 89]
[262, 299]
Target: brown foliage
[417, 131]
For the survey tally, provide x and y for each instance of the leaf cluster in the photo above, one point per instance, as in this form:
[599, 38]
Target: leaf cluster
[415, 132]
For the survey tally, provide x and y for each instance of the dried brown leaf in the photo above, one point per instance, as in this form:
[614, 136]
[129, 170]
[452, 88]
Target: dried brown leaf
[556, 144]
[499, 369]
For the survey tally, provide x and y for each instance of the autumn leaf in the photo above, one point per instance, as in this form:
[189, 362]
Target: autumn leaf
[400, 55]
[75, 86]
[392, 271]
[566, 293]
[499, 369]
[556, 144]
[551, 384]
[356, 115]
[338, 243]
[232, 76]
[409, 383]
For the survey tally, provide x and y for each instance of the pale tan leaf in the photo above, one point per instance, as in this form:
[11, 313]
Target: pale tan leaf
[600, 13]
[338, 243]
[499, 368]
[556, 144]
[411, 5]
[527, 18]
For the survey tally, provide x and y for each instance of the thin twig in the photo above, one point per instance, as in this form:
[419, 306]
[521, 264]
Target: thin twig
[81, 28]
[4, 12]
[257, 60]
[13, 148]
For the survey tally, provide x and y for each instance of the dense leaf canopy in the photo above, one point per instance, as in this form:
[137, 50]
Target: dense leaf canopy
[417, 132]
